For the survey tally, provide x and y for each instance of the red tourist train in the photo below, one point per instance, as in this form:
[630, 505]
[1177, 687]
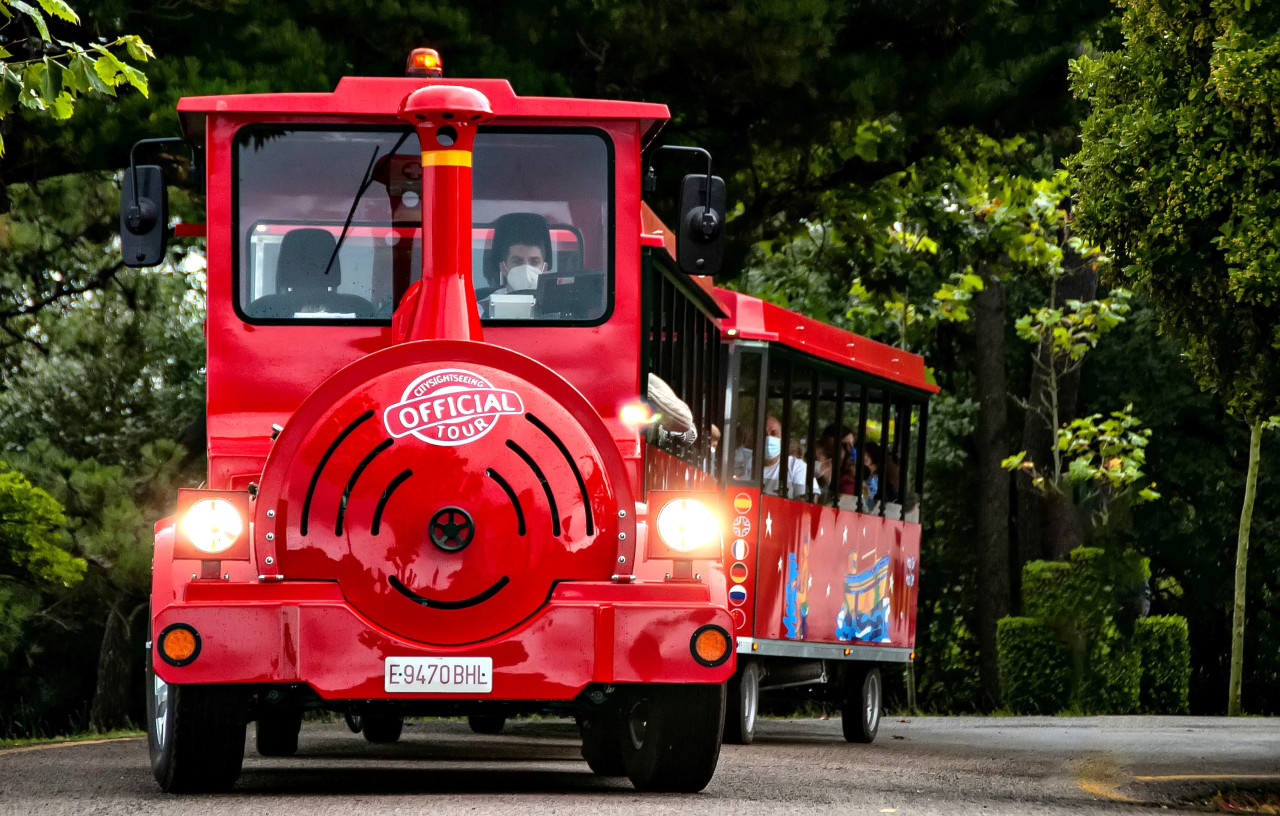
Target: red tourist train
[463, 391]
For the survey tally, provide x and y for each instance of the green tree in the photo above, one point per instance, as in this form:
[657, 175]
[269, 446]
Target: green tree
[33, 558]
[1178, 175]
[43, 75]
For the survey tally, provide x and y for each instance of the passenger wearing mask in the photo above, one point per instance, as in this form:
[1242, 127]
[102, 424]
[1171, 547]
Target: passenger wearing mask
[795, 474]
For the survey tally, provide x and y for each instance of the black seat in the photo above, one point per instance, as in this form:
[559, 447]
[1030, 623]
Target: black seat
[303, 287]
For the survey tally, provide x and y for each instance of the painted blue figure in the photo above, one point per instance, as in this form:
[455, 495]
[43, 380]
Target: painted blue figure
[865, 613]
[791, 609]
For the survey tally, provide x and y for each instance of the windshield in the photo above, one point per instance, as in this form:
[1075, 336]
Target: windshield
[541, 218]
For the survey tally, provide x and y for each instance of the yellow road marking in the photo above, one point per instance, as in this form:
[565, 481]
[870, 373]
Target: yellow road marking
[1104, 790]
[42, 746]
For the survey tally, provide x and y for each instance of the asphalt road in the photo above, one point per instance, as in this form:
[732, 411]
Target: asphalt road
[927, 765]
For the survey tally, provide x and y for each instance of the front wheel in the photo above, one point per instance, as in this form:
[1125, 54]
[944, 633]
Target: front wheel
[742, 704]
[277, 733]
[195, 735]
[860, 715]
[602, 744]
[671, 736]
[486, 723]
[382, 728]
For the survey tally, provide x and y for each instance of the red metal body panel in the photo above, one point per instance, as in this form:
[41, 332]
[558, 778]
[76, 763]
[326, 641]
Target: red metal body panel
[255, 379]
[305, 631]
[826, 575]
[346, 491]
[751, 318]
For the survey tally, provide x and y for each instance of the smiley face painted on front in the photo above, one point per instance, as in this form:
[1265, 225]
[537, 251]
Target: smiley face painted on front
[447, 532]
[451, 530]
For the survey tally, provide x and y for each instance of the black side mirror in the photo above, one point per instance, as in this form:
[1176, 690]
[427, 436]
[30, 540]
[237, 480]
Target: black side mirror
[700, 238]
[144, 216]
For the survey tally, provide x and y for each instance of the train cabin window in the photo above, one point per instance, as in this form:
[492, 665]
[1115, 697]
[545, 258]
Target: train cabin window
[328, 224]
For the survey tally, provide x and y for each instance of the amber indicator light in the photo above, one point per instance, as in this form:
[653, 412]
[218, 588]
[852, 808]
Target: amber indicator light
[179, 644]
[424, 62]
[710, 645]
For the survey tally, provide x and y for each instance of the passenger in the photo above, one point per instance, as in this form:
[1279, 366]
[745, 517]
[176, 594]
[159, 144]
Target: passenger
[675, 420]
[871, 474]
[825, 456]
[773, 460]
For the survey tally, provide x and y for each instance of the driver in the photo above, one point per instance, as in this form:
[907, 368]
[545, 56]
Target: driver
[522, 251]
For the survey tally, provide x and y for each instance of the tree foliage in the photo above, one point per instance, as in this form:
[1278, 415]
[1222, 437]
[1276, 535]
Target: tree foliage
[44, 75]
[1178, 174]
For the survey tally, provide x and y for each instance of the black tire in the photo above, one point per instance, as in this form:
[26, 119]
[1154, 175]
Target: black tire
[353, 722]
[671, 736]
[277, 733]
[742, 704]
[863, 698]
[602, 744]
[382, 728]
[486, 723]
[195, 735]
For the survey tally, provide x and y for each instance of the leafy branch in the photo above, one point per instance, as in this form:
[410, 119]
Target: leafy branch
[58, 72]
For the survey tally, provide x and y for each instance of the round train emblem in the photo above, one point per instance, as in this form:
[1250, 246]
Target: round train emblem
[449, 407]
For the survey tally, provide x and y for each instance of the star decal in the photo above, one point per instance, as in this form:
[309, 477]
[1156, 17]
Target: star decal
[768, 523]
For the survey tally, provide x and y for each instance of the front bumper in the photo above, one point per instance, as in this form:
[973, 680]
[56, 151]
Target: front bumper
[305, 632]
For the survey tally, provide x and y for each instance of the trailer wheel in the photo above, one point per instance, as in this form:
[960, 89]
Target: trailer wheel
[353, 721]
[742, 704]
[602, 744]
[195, 735]
[486, 723]
[277, 733]
[381, 728]
[671, 736]
[860, 716]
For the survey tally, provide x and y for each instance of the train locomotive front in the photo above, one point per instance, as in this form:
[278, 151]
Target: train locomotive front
[443, 526]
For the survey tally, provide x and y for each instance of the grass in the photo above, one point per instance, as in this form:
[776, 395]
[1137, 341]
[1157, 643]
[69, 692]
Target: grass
[80, 737]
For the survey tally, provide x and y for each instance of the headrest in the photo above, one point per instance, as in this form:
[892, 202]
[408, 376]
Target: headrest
[303, 255]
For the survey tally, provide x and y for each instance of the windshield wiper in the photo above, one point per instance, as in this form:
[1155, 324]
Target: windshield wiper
[366, 181]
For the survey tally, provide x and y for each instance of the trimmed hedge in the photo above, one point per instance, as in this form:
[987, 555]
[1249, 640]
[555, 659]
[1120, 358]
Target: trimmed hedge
[1035, 668]
[1112, 677]
[1165, 650]
[1078, 648]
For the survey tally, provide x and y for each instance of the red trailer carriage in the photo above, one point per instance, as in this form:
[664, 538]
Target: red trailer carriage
[413, 508]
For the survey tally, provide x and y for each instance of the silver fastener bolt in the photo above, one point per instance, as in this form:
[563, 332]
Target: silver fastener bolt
[622, 536]
[271, 536]
[622, 514]
[269, 560]
[226, 576]
[193, 576]
[622, 559]
[271, 514]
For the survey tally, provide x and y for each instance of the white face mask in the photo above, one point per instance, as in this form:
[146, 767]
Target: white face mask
[522, 278]
[772, 447]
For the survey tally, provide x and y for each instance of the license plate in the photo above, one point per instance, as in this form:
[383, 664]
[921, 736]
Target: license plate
[449, 675]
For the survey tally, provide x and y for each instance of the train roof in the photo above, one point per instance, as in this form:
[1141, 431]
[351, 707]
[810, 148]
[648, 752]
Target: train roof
[381, 96]
[750, 318]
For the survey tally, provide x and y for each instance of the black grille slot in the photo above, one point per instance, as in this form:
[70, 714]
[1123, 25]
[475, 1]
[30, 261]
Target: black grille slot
[386, 496]
[324, 460]
[511, 494]
[355, 477]
[546, 486]
[573, 466]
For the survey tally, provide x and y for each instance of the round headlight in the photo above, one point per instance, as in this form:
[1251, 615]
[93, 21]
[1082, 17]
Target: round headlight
[213, 525]
[686, 525]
